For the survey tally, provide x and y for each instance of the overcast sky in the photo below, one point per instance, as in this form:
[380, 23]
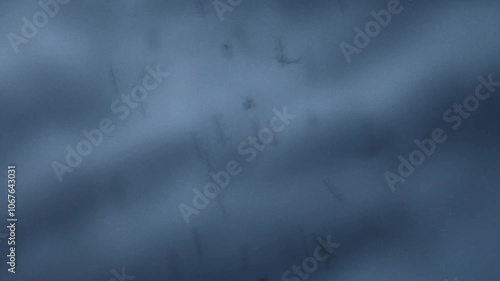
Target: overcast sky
[120, 207]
